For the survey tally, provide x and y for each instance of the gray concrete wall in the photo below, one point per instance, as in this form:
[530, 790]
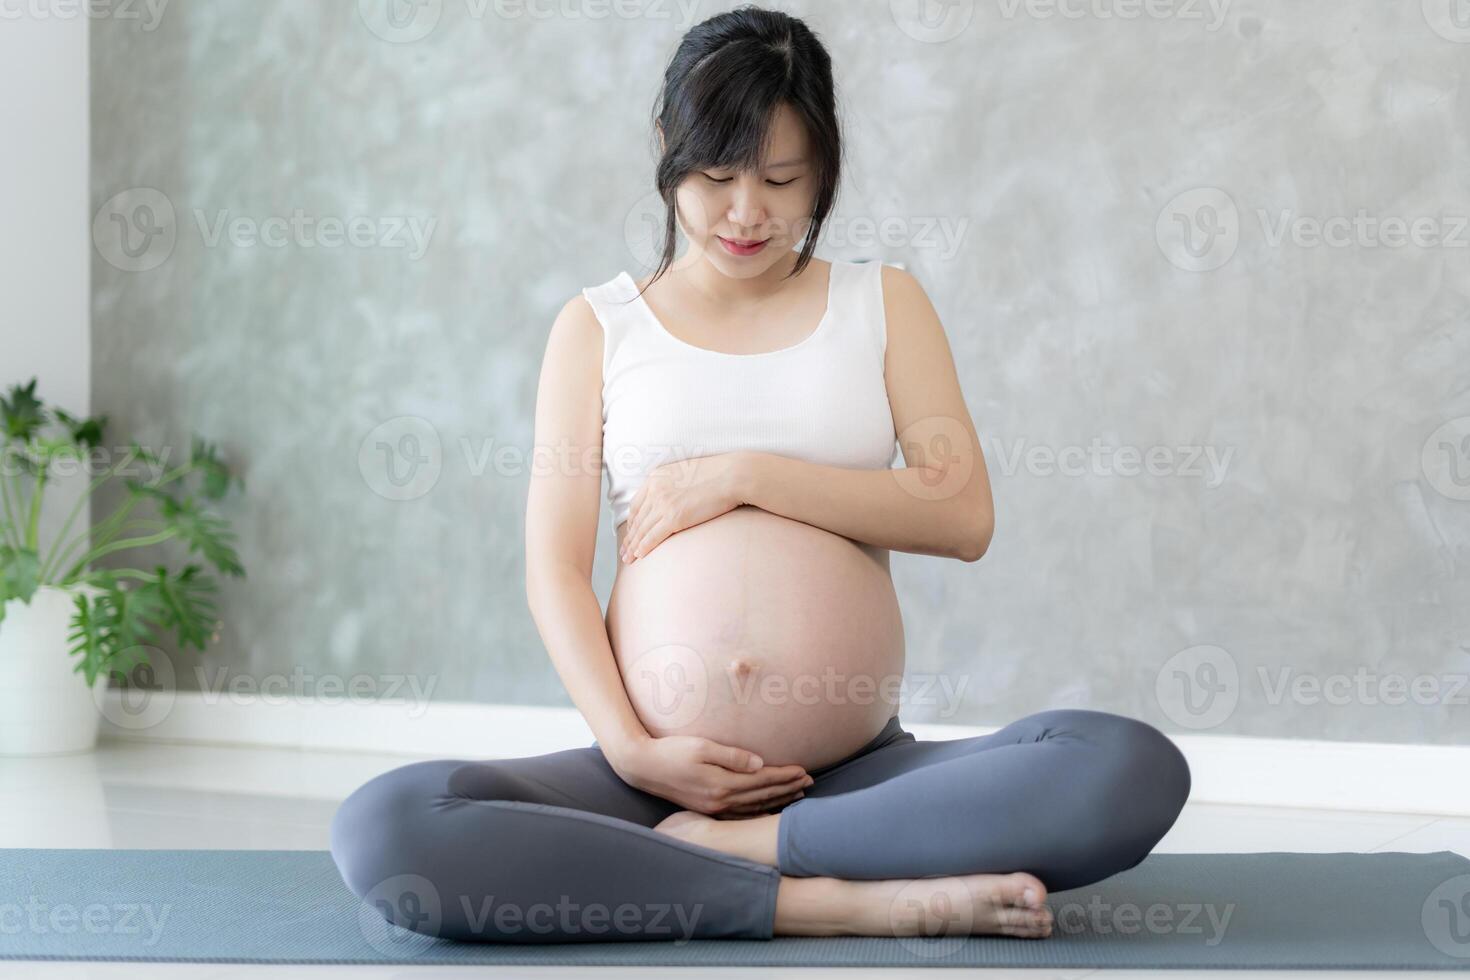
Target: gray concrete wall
[1228, 240]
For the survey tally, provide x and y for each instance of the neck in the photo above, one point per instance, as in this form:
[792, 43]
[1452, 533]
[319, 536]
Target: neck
[730, 292]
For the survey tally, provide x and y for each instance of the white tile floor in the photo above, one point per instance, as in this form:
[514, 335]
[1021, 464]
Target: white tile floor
[130, 794]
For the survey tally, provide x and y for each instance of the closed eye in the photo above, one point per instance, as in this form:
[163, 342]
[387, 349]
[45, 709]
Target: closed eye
[773, 183]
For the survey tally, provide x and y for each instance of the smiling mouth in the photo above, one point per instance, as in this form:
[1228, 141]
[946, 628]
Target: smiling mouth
[745, 242]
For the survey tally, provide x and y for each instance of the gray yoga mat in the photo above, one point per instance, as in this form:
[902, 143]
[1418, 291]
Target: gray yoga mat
[1391, 910]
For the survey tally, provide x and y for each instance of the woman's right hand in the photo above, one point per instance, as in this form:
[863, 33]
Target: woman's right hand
[707, 777]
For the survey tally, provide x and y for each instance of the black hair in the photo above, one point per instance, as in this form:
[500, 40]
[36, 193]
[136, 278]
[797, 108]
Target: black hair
[721, 91]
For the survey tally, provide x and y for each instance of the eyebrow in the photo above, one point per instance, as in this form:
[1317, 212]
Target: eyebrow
[786, 163]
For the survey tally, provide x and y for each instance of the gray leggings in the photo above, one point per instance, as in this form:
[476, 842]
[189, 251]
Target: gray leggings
[557, 848]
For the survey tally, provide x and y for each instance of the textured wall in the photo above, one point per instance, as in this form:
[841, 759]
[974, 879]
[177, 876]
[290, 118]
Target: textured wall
[1228, 238]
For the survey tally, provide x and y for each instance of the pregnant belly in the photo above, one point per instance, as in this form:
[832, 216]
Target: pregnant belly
[761, 632]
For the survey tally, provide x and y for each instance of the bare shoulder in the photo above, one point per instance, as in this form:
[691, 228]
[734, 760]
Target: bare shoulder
[910, 321]
[903, 296]
[574, 344]
[577, 318]
[576, 326]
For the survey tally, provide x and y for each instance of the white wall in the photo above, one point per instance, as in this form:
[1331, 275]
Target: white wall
[45, 224]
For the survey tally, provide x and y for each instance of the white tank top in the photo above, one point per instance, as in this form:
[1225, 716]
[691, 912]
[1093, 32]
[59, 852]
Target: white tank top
[822, 399]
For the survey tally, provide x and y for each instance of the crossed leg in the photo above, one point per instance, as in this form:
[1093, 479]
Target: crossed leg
[557, 848]
[1069, 795]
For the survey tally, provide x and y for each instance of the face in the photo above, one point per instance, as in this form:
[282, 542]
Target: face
[722, 210]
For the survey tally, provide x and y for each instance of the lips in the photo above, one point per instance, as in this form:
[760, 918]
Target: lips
[746, 242]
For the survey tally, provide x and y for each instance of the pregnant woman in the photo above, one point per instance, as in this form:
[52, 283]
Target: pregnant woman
[750, 776]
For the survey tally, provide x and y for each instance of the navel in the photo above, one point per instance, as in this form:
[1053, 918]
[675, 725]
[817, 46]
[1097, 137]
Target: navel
[741, 667]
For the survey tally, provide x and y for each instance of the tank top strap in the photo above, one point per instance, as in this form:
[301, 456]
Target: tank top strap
[614, 303]
[860, 293]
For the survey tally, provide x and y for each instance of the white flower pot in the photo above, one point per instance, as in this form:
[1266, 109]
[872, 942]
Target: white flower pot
[46, 706]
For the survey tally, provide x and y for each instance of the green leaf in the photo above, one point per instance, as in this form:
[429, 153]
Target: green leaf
[217, 476]
[21, 414]
[188, 604]
[205, 532]
[84, 432]
[112, 631]
[88, 638]
[19, 575]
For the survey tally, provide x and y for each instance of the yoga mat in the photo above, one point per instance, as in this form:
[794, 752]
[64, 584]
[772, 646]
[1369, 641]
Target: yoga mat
[1389, 910]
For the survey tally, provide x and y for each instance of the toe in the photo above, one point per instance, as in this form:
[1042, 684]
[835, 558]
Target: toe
[1023, 890]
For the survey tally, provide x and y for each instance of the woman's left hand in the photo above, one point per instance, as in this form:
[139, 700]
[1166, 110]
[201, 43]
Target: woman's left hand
[679, 495]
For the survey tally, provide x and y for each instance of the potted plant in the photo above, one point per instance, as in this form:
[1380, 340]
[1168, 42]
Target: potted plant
[56, 608]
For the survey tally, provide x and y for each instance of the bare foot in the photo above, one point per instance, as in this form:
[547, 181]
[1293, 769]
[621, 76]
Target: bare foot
[753, 838]
[959, 905]
[684, 824]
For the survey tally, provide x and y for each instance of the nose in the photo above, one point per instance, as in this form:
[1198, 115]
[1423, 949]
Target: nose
[746, 214]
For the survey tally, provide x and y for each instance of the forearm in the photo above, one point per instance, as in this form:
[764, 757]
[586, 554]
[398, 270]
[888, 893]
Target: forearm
[569, 619]
[909, 509]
